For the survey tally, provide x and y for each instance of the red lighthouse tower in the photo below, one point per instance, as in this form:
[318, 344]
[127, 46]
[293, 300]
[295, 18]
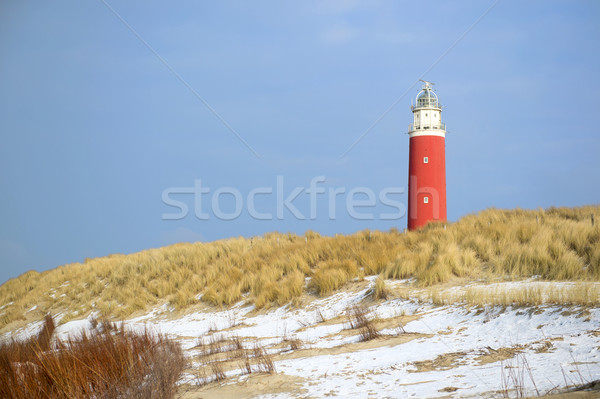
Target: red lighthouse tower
[427, 161]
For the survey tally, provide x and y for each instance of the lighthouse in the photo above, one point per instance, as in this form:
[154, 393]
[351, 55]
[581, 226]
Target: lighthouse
[427, 161]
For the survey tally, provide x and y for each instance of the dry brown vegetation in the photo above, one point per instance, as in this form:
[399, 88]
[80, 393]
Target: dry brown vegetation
[107, 363]
[219, 355]
[358, 319]
[555, 244]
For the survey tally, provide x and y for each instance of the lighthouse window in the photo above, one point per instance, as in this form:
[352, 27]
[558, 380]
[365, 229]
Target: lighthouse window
[426, 200]
[425, 159]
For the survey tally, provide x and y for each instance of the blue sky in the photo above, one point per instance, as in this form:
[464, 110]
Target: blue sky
[94, 127]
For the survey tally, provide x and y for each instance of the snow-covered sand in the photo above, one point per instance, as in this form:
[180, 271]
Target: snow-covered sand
[458, 351]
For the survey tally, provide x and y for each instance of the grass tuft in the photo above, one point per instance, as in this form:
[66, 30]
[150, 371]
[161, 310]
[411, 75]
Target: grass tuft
[380, 291]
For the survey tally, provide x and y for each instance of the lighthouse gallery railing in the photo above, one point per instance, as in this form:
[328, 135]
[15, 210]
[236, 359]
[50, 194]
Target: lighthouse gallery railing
[438, 125]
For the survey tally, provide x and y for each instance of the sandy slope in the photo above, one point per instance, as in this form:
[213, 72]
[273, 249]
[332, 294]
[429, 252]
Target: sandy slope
[424, 350]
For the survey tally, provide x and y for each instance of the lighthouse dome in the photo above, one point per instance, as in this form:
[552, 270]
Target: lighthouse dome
[427, 98]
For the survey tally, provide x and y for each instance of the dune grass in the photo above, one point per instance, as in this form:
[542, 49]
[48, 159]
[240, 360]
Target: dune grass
[577, 294]
[532, 293]
[557, 244]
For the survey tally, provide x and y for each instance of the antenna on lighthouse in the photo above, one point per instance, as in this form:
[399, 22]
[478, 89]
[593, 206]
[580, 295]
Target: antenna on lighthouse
[427, 83]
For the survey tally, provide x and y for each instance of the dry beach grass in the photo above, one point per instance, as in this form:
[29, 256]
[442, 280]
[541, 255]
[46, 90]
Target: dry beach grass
[556, 244]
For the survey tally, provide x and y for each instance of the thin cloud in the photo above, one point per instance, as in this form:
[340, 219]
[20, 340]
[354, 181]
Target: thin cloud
[339, 35]
[340, 6]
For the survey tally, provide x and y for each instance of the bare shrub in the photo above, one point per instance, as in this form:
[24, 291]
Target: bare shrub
[368, 332]
[218, 343]
[357, 316]
[99, 364]
[292, 342]
[236, 343]
[245, 364]
[202, 377]
[218, 353]
[217, 369]
[514, 375]
[264, 360]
